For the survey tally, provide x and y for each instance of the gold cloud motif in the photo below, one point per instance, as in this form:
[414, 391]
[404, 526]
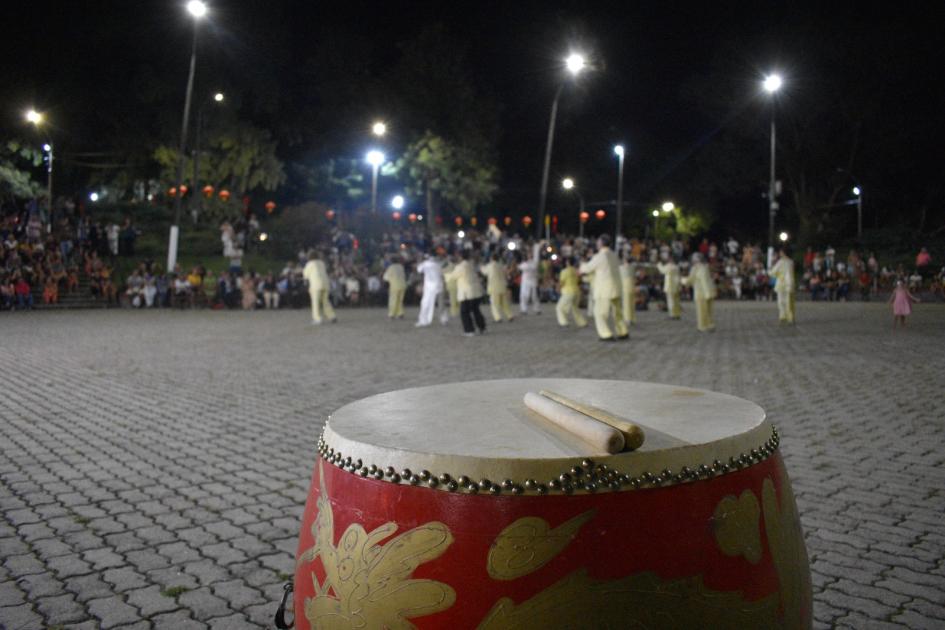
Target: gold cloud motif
[786, 543]
[367, 584]
[736, 524]
[529, 544]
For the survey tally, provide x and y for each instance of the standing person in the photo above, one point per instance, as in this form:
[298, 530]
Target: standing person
[432, 291]
[902, 300]
[528, 290]
[703, 292]
[318, 284]
[670, 271]
[451, 288]
[498, 289]
[569, 289]
[785, 286]
[469, 293]
[628, 291]
[606, 289]
[396, 280]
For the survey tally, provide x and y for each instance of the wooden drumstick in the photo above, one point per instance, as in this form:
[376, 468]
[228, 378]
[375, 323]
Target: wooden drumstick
[632, 434]
[600, 435]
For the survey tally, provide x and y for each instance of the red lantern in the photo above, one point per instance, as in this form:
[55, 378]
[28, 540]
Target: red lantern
[224, 194]
[508, 221]
[584, 216]
[270, 206]
[171, 192]
[458, 221]
[473, 221]
[208, 191]
[600, 214]
[329, 214]
[183, 190]
[396, 215]
[412, 217]
[526, 220]
[492, 221]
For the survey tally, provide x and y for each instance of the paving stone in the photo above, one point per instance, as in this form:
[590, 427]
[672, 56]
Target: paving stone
[21, 616]
[204, 604]
[150, 601]
[61, 609]
[180, 620]
[124, 578]
[237, 594]
[113, 612]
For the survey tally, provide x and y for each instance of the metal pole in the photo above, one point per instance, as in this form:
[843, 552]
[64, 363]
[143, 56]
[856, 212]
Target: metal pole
[859, 216]
[374, 188]
[49, 175]
[580, 220]
[544, 173]
[175, 228]
[619, 198]
[195, 197]
[772, 193]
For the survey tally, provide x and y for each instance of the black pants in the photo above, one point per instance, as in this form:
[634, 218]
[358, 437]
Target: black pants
[469, 310]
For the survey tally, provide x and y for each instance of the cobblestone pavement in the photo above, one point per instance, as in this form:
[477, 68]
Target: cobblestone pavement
[153, 466]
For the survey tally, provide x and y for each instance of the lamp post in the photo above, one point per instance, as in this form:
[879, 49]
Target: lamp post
[197, 10]
[619, 151]
[771, 85]
[195, 201]
[375, 158]
[36, 119]
[568, 184]
[379, 128]
[859, 210]
[574, 64]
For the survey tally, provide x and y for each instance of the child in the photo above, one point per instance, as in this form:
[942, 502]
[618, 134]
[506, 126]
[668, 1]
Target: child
[51, 291]
[901, 300]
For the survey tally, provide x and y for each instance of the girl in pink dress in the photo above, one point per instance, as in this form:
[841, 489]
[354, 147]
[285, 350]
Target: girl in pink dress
[902, 301]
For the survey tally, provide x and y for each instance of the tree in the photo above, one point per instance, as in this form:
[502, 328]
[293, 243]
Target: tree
[459, 177]
[15, 181]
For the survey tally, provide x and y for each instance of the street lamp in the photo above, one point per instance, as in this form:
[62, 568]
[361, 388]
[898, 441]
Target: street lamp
[36, 119]
[574, 64]
[619, 151]
[783, 237]
[568, 184]
[375, 158]
[772, 83]
[397, 203]
[195, 201]
[379, 129]
[197, 10]
[668, 206]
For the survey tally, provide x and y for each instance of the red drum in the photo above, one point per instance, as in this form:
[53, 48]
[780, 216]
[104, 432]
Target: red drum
[454, 506]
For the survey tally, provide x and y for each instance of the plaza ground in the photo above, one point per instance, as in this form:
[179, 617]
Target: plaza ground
[153, 465]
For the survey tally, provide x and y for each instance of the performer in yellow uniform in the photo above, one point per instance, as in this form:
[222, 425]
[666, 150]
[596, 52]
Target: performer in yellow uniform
[628, 291]
[569, 289]
[605, 289]
[451, 289]
[396, 280]
[469, 291]
[497, 287]
[318, 284]
[784, 286]
[703, 292]
[670, 271]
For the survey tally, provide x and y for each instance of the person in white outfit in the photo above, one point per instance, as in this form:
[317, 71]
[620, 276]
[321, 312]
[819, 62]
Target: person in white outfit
[316, 275]
[670, 271]
[432, 271]
[606, 289]
[785, 286]
[528, 290]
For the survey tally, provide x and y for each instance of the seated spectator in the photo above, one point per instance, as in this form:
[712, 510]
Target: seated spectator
[51, 291]
[195, 280]
[24, 295]
[108, 289]
[270, 291]
[149, 290]
[181, 290]
[248, 290]
[72, 279]
[135, 289]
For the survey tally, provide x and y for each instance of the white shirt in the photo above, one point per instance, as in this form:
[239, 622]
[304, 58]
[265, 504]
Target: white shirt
[432, 275]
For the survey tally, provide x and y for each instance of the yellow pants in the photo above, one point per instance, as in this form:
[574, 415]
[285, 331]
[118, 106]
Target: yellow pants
[454, 299]
[786, 307]
[704, 319]
[602, 312]
[672, 305]
[395, 303]
[629, 299]
[321, 306]
[567, 305]
[501, 306]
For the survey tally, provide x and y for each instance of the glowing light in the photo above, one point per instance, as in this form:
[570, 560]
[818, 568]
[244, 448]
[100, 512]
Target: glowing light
[47, 147]
[461, 234]
[549, 249]
[397, 202]
[575, 63]
[263, 236]
[619, 150]
[218, 97]
[511, 246]
[375, 158]
[656, 213]
[93, 197]
[669, 206]
[783, 236]
[772, 83]
[379, 129]
[567, 183]
[554, 257]
[34, 117]
[857, 191]
[197, 8]
[419, 217]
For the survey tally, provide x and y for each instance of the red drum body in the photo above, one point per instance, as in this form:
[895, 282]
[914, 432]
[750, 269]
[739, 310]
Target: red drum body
[715, 544]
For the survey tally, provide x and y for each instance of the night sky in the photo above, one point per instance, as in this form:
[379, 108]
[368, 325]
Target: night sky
[668, 78]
